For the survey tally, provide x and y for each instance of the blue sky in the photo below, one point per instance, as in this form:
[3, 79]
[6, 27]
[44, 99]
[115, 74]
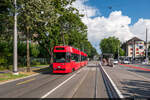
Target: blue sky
[105, 18]
[135, 9]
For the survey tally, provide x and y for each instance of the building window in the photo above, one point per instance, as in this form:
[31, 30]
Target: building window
[141, 47]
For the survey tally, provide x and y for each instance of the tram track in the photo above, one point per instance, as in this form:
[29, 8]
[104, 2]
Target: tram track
[95, 92]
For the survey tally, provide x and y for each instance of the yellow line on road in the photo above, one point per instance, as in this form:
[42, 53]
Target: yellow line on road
[26, 81]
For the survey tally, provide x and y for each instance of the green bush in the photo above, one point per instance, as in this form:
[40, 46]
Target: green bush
[3, 61]
[35, 62]
[34, 50]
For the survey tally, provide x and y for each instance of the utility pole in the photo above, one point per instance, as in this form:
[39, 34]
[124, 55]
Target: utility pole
[28, 51]
[15, 69]
[146, 49]
[118, 52]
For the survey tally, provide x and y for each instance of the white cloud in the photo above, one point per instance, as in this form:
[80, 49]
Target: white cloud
[88, 11]
[139, 28]
[115, 25]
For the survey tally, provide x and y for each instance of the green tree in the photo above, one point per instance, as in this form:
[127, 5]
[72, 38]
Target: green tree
[35, 16]
[121, 52]
[48, 22]
[5, 53]
[6, 18]
[110, 45]
[66, 28]
[34, 50]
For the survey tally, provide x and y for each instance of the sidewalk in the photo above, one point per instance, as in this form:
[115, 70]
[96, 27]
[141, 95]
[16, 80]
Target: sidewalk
[22, 69]
[129, 83]
[6, 75]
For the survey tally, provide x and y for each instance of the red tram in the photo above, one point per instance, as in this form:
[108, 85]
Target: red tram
[68, 59]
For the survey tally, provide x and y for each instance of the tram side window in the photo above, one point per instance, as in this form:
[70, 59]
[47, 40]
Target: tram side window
[67, 57]
[76, 57]
[85, 58]
[73, 57]
[81, 58]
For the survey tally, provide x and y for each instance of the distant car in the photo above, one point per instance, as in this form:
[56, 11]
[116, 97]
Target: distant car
[115, 61]
[126, 62]
[143, 62]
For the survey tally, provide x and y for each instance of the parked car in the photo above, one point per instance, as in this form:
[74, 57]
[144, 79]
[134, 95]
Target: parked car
[126, 62]
[115, 61]
[143, 62]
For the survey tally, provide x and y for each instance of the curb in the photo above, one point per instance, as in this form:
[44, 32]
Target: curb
[112, 83]
[18, 79]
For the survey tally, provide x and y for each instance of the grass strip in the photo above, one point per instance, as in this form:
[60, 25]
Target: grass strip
[9, 76]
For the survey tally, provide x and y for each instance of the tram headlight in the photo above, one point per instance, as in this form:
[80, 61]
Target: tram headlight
[58, 66]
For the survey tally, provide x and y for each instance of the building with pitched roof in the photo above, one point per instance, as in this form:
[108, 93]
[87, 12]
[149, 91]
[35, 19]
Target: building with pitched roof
[135, 48]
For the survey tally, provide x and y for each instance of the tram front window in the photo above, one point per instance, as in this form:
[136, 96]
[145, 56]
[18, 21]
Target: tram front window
[59, 57]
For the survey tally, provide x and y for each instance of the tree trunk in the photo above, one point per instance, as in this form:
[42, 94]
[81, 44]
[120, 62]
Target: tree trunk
[63, 38]
[28, 51]
[50, 52]
[51, 60]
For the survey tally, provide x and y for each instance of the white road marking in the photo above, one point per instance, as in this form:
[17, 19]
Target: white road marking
[117, 90]
[79, 84]
[60, 85]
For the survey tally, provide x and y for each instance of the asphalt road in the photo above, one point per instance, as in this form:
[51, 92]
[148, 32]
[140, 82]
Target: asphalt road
[86, 82]
[137, 71]
[131, 81]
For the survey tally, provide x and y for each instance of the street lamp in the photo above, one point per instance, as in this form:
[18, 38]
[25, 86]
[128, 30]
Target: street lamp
[118, 51]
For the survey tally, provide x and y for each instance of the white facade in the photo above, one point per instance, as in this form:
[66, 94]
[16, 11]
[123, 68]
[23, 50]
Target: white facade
[138, 49]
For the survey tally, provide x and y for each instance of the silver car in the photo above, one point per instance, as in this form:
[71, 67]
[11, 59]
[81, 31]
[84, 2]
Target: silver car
[115, 61]
[126, 62]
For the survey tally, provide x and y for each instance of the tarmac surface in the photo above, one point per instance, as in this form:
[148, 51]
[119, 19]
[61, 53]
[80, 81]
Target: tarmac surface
[86, 82]
[132, 82]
